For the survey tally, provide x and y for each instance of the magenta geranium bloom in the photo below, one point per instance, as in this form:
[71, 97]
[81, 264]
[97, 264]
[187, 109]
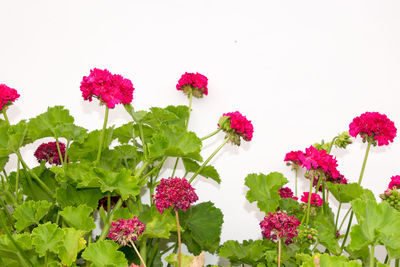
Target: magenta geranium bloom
[194, 83]
[279, 225]
[176, 193]
[373, 127]
[110, 89]
[236, 126]
[316, 200]
[125, 231]
[394, 182]
[7, 96]
[48, 152]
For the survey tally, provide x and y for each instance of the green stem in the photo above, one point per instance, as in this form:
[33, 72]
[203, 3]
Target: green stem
[143, 250]
[142, 138]
[108, 204]
[337, 215]
[59, 151]
[5, 116]
[107, 226]
[359, 182]
[176, 164]
[6, 211]
[141, 170]
[331, 145]
[137, 252]
[318, 185]
[279, 251]
[211, 134]
[190, 109]
[168, 249]
[154, 252]
[208, 160]
[372, 256]
[43, 185]
[386, 259]
[307, 215]
[295, 188]
[103, 132]
[159, 165]
[344, 218]
[66, 151]
[17, 181]
[397, 263]
[179, 239]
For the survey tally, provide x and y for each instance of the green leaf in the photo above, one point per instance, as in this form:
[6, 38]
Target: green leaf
[31, 187]
[24, 241]
[291, 206]
[121, 183]
[326, 260]
[46, 124]
[128, 156]
[158, 117]
[122, 213]
[3, 162]
[174, 261]
[30, 213]
[124, 133]
[345, 192]
[174, 141]
[79, 217]
[136, 116]
[157, 225]
[208, 171]
[249, 252]
[17, 136]
[71, 132]
[105, 254]
[70, 196]
[264, 189]
[182, 114]
[80, 175]
[204, 221]
[72, 244]
[47, 237]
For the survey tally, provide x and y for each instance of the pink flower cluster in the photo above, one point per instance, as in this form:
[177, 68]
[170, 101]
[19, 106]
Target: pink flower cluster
[7, 96]
[174, 192]
[111, 89]
[373, 127]
[394, 182]
[314, 159]
[279, 225]
[286, 192]
[48, 152]
[125, 231]
[316, 200]
[240, 124]
[194, 83]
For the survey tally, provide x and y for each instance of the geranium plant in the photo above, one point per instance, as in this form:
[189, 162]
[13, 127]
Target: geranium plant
[83, 203]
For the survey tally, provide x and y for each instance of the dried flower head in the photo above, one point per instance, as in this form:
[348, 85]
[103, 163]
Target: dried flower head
[176, 193]
[235, 125]
[125, 231]
[316, 200]
[7, 96]
[279, 225]
[194, 83]
[110, 89]
[373, 127]
[48, 152]
[286, 192]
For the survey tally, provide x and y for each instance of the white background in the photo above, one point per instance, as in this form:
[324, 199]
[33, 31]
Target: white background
[300, 70]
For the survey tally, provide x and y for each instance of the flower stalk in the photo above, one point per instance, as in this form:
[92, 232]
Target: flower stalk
[279, 251]
[179, 239]
[137, 252]
[101, 143]
[211, 134]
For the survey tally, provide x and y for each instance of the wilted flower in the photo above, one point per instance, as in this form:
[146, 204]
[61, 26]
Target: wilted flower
[279, 225]
[174, 192]
[48, 152]
[236, 125]
[108, 88]
[194, 83]
[373, 127]
[7, 96]
[125, 231]
[286, 192]
[316, 200]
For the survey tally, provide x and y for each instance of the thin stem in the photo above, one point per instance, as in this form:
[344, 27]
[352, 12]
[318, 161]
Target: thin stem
[295, 186]
[6, 211]
[190, 108]
[386, 259]
[142, 138]
[59, 151]
[168, 249]
[318, 185]
[211, 134]
[307, 215]
[103, 132]
[176, 164]
[159, 165]
[5, 116]
[107, 226]
[397, 263]
[66, 151]
[137, 252]
[372, 256]
[143, 250]
[153, 252]
[43, 185]
[17, 181]
[279, 251]
[344, 219]
[331, 145]
[141, 170]
[208, 160]
[359, 182]
[337, 215]
[179, 239]
[108, 204]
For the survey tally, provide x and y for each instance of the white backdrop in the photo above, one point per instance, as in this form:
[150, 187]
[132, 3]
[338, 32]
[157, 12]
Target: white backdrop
[300, 70]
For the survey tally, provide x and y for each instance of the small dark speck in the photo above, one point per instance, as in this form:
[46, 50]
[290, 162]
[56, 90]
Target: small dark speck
[235, 41]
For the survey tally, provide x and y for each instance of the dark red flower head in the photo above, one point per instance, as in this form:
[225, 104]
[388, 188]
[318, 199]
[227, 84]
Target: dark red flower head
[125, 231]
[286, 192]
[316, 200]
[279, 225]
[236, 125]
[373, 127]
[7, 96]
[110, 89]
[48, 152]
[194, 83]
[174, 192]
